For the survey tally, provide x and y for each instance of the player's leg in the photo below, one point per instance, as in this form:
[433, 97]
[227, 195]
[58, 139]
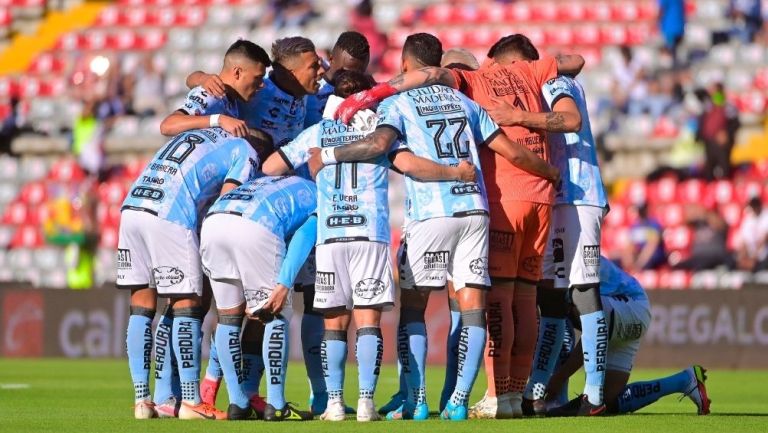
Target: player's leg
[637, 395]
[209, 387]
[253, 362]
[452, 347]
[395, 403]
[167, 402]
[412, 353]
[311, 337]
[369, 349]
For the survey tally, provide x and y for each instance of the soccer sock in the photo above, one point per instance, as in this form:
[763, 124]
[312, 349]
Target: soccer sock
[228, 345]
[451, 353]
[139, 348]
[369, 350]
[186, 345]
[501, 332]
[471, 347]
[164, 358]
[253, 362]
[569, 341]
[312, 328]
[275, 350]
[594, 339]
[637, 395]
[412, 351]
[553, 306]
[403, 387]
[214, 370]
[334, 356]
[524, 314]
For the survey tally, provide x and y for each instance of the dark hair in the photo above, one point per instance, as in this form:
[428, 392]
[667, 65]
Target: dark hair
[755, 204]
[516, 43]
[249, 50]
[287, 48]
[424, 47]
[350, 82]
[355, 44]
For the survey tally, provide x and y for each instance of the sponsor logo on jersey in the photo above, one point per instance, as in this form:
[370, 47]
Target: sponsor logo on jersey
[558, 251]
[325, 282]
[256, 297]
[591, 254]
[237, 196]
[435, 260]
[500, 241]
[199, 100]
[335, 221]
[143, 192]
[167, 276]
[369, 288]
[466, 189]
[479, 266]
[153, 180]
[123, 258]
[428, 110]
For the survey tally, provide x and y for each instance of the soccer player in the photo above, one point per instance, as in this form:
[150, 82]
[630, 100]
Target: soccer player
[629, 314]
[354, 275]
[519, 205]
[253, 243]
[158, 252]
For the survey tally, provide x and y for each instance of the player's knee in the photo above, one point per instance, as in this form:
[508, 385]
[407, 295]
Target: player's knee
[231, 319]
[552, 302]
[471, 299]
[586, 298]
[142, 311]
[411, 315]
[473, 318]
[195, 312]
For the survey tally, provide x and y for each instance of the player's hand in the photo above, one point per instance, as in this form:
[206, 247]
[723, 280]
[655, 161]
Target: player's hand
[315, 162]
[214, 85]
[236, 127]
[276, 300]
[466, 172]
[555, 178]
[362, 100]
[505, 114]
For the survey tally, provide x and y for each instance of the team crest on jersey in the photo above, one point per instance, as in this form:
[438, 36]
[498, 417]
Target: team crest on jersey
[123, 258]
[167, 276]
[479, 266]
[558, 251]
[532, 264]
[325, 282]
[369, 288]
[436, 260]
[591, 254]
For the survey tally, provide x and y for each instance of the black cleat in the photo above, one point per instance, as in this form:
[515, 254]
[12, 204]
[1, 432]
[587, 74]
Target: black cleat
[589, 409]
[236, 413]
[287, 413]
[569, 409]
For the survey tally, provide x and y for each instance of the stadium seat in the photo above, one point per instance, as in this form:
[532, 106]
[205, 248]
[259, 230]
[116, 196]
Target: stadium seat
[108, 237]
[691, 191]
[66, 170]
[669, 215]
[649, 279]
[599, 11]
[625, 11]
[571, 11]
[544, 11]
[518, 12]
[27, 236]
[721, 191]
[675, 280]
[731, 213]
[662, 191]
[586, 34]
[559, 36]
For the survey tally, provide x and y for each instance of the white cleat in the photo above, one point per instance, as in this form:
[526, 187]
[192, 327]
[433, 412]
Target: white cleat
[335, 411]
[366, 410]
[486, 408]
[144, 409]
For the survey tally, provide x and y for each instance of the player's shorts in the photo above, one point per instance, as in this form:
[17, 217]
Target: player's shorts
[628, 320]
[572, 256]
[517, 239]
[438, 249]
[306, 276]
[353, 275]
[243, 260]
[153, 252]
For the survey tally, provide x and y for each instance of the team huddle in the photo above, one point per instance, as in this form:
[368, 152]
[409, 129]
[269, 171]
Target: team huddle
[276, 181]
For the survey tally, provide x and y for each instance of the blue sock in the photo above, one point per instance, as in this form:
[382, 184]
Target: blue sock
[594, 343]
[569, 341]
[213, 370]
[164, 359]
[228, 345]
[403, 387]
[470, 355]
[369, 350]
[334, 355]
[275, 355]
[186, 346]
[253, 369]
[547, 353]
[640, 394]
[451, 353]
[312, 328]
[138, 344]
[412, 351]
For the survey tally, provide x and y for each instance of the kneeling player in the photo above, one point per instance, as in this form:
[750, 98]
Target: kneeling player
[626, 306]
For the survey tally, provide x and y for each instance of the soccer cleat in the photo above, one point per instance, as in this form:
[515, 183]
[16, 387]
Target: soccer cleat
[200, 411]
[236, 413]
[588, 409]
[144, 409]
[536, 407]
[453, 412]
[287, 413]
[393, 404]
[515, 404]
[168, 408]
[317, 403]
[334, 412]
[258, 404]
[569, 409]
[209, 388]
[698, 391]
[420, 412]
[486, 408]
[366, 410]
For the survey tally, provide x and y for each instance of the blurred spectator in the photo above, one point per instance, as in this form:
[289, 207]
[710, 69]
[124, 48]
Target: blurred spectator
[717, 129]
[645, 249]
[672, 25]
[361, 20]
[288, 13]
[657, 101]
[752, 238]
[747, 19]
[628, 80]
[146, 89]
[709, 244]
[9, 127]
[88, 134]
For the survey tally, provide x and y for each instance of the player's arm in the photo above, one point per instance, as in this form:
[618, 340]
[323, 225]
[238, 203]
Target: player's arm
[178, 122]
[227, 187]
[523, 158]
[212, 83]
[292, 155]
[371, 146]
[571, 365]
[569, 64]
[276, 164]
[428, 171]
[564, 117]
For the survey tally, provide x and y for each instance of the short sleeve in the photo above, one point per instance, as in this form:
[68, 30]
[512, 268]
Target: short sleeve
[555, 89]
[199, 103]
[543, 70]
[244, 163]
[296, 153]
[483, 126]
[390, 117]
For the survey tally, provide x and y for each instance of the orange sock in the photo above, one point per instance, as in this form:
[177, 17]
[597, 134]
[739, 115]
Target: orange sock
[526, 332]
[498, 349]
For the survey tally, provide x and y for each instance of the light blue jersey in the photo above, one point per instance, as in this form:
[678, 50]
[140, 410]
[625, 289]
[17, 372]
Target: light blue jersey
[440, 124]
[201, 103]
[352, 196]
[574, 153]
[276, 112]
[280, 204]
[615, 282]
[187, 174]
[316, 103]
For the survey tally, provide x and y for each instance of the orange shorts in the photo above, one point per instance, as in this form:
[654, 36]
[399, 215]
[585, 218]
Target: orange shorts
[517, 238]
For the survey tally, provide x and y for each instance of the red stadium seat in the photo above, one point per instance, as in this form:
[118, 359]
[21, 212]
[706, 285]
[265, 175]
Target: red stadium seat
[15, 213]
[544, 11]
[519, 13]
[648, 10]
[731, 213]
[761, 79]
[586, 34]
[560, 36]
[721, 191]
[452, 37]
[599, 11]
[691, 191]
[123, 40]
[624, 11]
[8, 88]
[108, 237]
[66, 170]
[676, 280]
[535, 34]
[190, 17]
[482, 37]
[638, 34]
[637, 192]
[613, 34]
[33, 193]
[571, 11]
[151, 40]
[662, 191]
[677, 238]
[649, 279]
[617, 216]
[669, 215]
[5, 16]
[746, 189]
[69, 42]
[112, 192]
[27, 236]
[753, 102]
[438, 14]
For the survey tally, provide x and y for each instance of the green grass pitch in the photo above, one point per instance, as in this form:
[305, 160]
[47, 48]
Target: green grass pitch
[58, 396]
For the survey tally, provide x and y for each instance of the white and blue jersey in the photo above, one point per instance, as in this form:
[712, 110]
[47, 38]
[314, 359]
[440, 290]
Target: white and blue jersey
[280, 204]
[200, 103]
[574, 153]
[615, 282]
[187, 174]
[352, 196]
[316, 103]
[440, 124]
[276, 112]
